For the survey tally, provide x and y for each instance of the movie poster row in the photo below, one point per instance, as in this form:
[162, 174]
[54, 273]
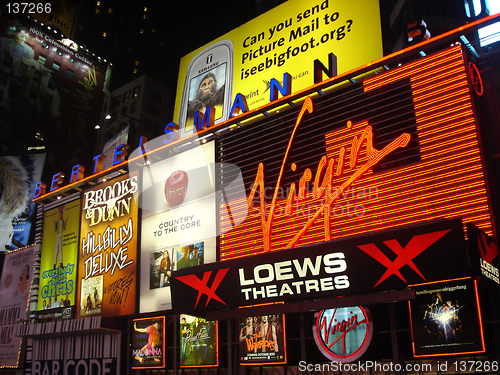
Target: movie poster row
[262, 341]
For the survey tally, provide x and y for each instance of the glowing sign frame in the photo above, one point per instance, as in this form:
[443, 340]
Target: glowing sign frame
[339, 330]
[470, 337]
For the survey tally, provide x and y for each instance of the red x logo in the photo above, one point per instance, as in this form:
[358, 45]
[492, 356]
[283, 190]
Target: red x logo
[202, 285]
[488, 251]
[405, 255]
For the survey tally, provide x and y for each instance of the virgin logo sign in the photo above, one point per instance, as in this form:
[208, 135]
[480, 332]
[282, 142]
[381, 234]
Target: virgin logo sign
[343, 334]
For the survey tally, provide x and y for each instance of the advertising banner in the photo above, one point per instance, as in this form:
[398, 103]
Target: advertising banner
[148, 343]
[178, 221]
[199, 342]
[262, 340]
[15, 287]
[59, 261]
[287, 38]
[107, 265]
[386, 261]
[445, 318]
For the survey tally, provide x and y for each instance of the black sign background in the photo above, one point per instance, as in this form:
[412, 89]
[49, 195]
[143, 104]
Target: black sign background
[386, 261]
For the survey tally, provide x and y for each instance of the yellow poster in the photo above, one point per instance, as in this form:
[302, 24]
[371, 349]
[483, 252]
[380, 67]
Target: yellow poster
[107, 265]
[287, 39]
[61, 229]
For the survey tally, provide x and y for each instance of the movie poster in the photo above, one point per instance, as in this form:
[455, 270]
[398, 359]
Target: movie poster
[178, 221]
[199, 342]
[107, 265]
[15, 287]
[445, 318]
[59, 256]
[148, 343]
[262, 339]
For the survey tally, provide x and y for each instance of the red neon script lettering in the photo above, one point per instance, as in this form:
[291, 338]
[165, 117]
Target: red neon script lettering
[323, 186]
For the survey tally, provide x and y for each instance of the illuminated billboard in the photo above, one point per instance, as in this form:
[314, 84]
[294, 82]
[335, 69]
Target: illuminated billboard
[262, 340]
[446, 318]
[399, 148]
[385, 261]
[178, 221]
[199, 342]
[59, 260]
[60, 14]
[148, 343]
[15, 288]
[287, 38]
[107, 262]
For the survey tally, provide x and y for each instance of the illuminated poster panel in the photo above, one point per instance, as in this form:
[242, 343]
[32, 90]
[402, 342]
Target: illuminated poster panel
[178, 221]
[59, 261]
[15, 287]
[446, 318]
[148, 343]
[397, 149]
[199, 342]
[288, 38]
[262, 339]
[108, 249]
[343, 334]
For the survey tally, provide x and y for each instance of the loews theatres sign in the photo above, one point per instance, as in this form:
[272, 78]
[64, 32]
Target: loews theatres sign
[335, 268]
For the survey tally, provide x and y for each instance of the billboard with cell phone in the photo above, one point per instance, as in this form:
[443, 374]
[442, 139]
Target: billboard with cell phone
[287, 39]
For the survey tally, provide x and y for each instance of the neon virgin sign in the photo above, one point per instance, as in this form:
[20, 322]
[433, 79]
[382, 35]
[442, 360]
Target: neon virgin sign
[347, 161]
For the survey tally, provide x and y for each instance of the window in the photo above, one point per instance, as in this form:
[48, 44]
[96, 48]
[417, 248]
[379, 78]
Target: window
[23, 68]
[33, 92]
[70, 74]
[155, 96]
[37, 76]
[126, 96]
[51, 84]
[56, 66]
[137, 91]
[42, 59]
[133, 107]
